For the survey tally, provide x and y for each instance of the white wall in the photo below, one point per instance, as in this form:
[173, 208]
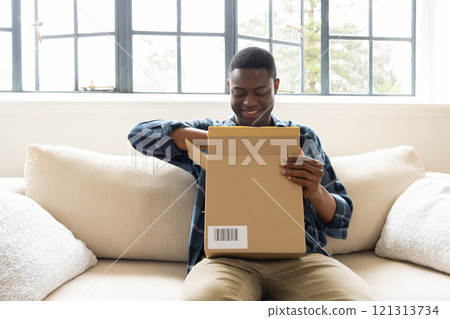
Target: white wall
[345, 126]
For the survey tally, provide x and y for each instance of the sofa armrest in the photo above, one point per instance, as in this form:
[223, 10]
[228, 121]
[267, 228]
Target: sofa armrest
[440, 176]
[13, 184]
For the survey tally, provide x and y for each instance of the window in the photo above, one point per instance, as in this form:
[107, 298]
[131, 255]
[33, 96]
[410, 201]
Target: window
[371, 47]
[322, 47]
[68, 45]
[175, 52]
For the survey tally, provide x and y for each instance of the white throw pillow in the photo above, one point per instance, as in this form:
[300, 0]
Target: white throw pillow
[373, 181]
[118, 210]
[37, 253]
[417, 228]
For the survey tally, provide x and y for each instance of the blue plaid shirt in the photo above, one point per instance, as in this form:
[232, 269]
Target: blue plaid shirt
[153, 138]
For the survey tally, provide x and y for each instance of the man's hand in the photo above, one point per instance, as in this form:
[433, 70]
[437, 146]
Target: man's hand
[308, 172]
[304, 171]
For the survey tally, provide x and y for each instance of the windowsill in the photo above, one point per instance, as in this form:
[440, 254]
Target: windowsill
[142, 98]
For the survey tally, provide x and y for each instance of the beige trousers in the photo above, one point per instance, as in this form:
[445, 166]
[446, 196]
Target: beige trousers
[312, 277]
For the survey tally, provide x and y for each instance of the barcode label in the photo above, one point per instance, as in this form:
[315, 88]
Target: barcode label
[227, 237]
[225, 234]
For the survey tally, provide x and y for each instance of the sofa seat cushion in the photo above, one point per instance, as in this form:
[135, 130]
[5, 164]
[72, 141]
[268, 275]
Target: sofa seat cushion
[153, 280]
[125, 280]
[398, 280]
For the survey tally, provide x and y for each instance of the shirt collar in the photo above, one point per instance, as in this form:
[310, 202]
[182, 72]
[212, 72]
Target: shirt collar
[277, 121]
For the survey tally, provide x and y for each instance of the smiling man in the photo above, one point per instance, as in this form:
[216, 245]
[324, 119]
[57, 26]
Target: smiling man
[253, 83]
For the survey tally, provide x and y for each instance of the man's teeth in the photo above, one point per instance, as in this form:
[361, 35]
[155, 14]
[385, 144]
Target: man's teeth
[251, 112]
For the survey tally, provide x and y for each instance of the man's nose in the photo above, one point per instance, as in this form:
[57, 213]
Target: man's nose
[250, 100]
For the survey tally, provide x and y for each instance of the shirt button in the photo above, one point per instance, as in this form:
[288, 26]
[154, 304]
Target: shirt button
[197, 245]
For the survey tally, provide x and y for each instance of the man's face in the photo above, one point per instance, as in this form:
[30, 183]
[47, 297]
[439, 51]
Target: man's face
[252, 96]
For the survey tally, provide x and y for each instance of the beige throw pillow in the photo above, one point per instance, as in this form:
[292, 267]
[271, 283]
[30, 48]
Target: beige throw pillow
[117, 210]
[374, 181]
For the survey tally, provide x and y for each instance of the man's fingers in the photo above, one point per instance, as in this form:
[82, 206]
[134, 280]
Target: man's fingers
[308, 172]
[301, 181]
[301, 158]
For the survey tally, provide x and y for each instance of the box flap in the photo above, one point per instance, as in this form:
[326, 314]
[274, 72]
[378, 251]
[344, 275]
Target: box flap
[245, 140]
[272, 131]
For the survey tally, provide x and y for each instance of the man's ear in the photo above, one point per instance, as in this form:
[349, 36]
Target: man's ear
[276, 84]
[228, 83]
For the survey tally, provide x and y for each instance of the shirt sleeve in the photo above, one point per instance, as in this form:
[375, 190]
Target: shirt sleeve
[152, 138]
[338, 226]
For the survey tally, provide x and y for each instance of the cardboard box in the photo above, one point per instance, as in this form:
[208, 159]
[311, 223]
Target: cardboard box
[252, 211]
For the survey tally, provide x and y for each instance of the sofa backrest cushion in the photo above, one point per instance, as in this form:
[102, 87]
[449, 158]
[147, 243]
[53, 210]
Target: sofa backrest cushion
[118, 208]
[373, 181]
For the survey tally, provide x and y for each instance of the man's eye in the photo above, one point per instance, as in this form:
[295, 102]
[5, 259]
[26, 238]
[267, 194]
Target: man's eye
[238, 94]
[260, 93]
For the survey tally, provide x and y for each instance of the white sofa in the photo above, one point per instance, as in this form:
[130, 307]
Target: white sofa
[134, 214]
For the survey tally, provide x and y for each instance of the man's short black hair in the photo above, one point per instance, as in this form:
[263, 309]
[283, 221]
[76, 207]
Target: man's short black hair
[253, 58]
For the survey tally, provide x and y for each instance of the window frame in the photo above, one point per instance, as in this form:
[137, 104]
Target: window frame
[228, 35]
[123, 35]
[75, 36]
[16, 38]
